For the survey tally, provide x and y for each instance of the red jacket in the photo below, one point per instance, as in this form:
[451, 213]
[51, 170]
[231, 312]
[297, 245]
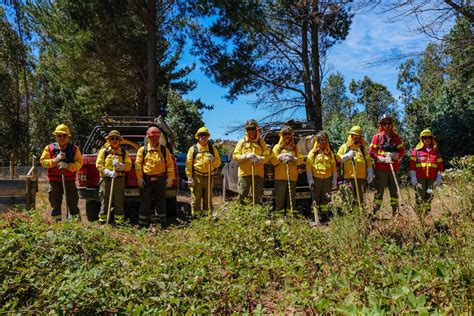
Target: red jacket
[426, 163]
[381, 144]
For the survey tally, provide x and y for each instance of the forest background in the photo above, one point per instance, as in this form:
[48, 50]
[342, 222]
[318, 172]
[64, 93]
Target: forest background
[72, 62]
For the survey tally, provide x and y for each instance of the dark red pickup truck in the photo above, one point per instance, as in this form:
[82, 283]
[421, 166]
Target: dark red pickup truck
[133, 130]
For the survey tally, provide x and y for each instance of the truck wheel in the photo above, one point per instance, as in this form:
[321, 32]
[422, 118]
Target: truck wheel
[171, 207]
[92, 210]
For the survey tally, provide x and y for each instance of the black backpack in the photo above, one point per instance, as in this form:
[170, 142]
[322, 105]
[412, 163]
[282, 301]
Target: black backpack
[196, 151]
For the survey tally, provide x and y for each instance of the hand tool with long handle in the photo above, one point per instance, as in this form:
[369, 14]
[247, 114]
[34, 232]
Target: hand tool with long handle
[253, 184]
[109, 207]
[356, 184]
[289, 186]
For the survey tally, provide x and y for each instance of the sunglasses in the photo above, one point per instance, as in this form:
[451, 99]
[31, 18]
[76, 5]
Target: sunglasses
[426, 137]
[61, 135]
[251, 129]
[286, 134]
[114, 138]
[387, 123]
[203, 135]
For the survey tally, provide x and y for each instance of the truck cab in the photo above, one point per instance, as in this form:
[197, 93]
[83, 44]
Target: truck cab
[133, 130]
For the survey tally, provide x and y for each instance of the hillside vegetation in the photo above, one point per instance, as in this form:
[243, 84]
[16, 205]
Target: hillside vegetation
[241, 260]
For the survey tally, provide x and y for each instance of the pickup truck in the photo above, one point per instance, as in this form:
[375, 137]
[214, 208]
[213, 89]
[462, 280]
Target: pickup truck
[304, 138]
[133, 130]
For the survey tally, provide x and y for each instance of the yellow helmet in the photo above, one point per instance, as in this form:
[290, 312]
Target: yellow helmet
[62, 129]
[202, 130]
[426, 132]
[356, 130]
[114, 133]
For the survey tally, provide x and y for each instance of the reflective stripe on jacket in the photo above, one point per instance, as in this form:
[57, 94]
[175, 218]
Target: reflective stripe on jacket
[73, 158]
[322, 164]
[376, 150]
[362, 161]
[426, 163]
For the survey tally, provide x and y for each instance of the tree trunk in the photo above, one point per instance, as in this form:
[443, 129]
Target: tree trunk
[308, 101]
[151, 58]
[316, 78]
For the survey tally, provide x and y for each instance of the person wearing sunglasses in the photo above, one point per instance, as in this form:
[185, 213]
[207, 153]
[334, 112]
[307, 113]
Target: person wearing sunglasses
[354, 156]
[251, 153]
[285, 154]
[62, 159]
[201, 158]
[112, 162]
[426, 165]
[386, 149]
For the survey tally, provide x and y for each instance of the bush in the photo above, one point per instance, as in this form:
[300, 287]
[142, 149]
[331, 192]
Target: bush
[237, 261]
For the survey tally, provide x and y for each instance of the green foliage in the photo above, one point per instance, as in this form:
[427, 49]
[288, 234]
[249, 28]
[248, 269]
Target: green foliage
[239, 261]
[375, 98]
[437, 91]
[185, 118]
[274, 49]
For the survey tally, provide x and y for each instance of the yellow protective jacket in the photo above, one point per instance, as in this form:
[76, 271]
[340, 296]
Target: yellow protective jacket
[321, 163]
[201, 163]
[280, 166]
[154, 163]
[362, 160]
[247, 146]
[104, 162]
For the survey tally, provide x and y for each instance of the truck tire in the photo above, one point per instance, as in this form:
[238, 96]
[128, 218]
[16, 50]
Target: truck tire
[92, 210]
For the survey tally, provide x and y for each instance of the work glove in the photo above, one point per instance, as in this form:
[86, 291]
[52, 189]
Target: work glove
[370, 175]
[309, 175]
[110, 173]
[413, 179]
[281, 157]
[141, 183]
[118, 165]
[246, 156]
[62, 165]
[349, 155]
[289, 158]
[385, 159]
[61, 156]
[190, 182]
[256, 159]
[168, 182]
[210, 158]
[438, 179]
[334, 180]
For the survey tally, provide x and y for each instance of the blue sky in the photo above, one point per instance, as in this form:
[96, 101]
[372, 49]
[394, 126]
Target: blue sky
[371, 38]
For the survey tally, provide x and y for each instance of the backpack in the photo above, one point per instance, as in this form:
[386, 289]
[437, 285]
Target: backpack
[107, 152]
[387, 147]
[70, 151]
[196, 151]
[163, 151]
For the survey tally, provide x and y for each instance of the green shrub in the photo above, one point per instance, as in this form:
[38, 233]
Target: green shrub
[238, 260]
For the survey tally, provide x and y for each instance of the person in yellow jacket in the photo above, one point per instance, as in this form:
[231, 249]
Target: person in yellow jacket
[112, 163]
[285, 155]
[62, 159]
[322, 173]
[251, 150]
[201, 161]
[354, 154]
[155, 171]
